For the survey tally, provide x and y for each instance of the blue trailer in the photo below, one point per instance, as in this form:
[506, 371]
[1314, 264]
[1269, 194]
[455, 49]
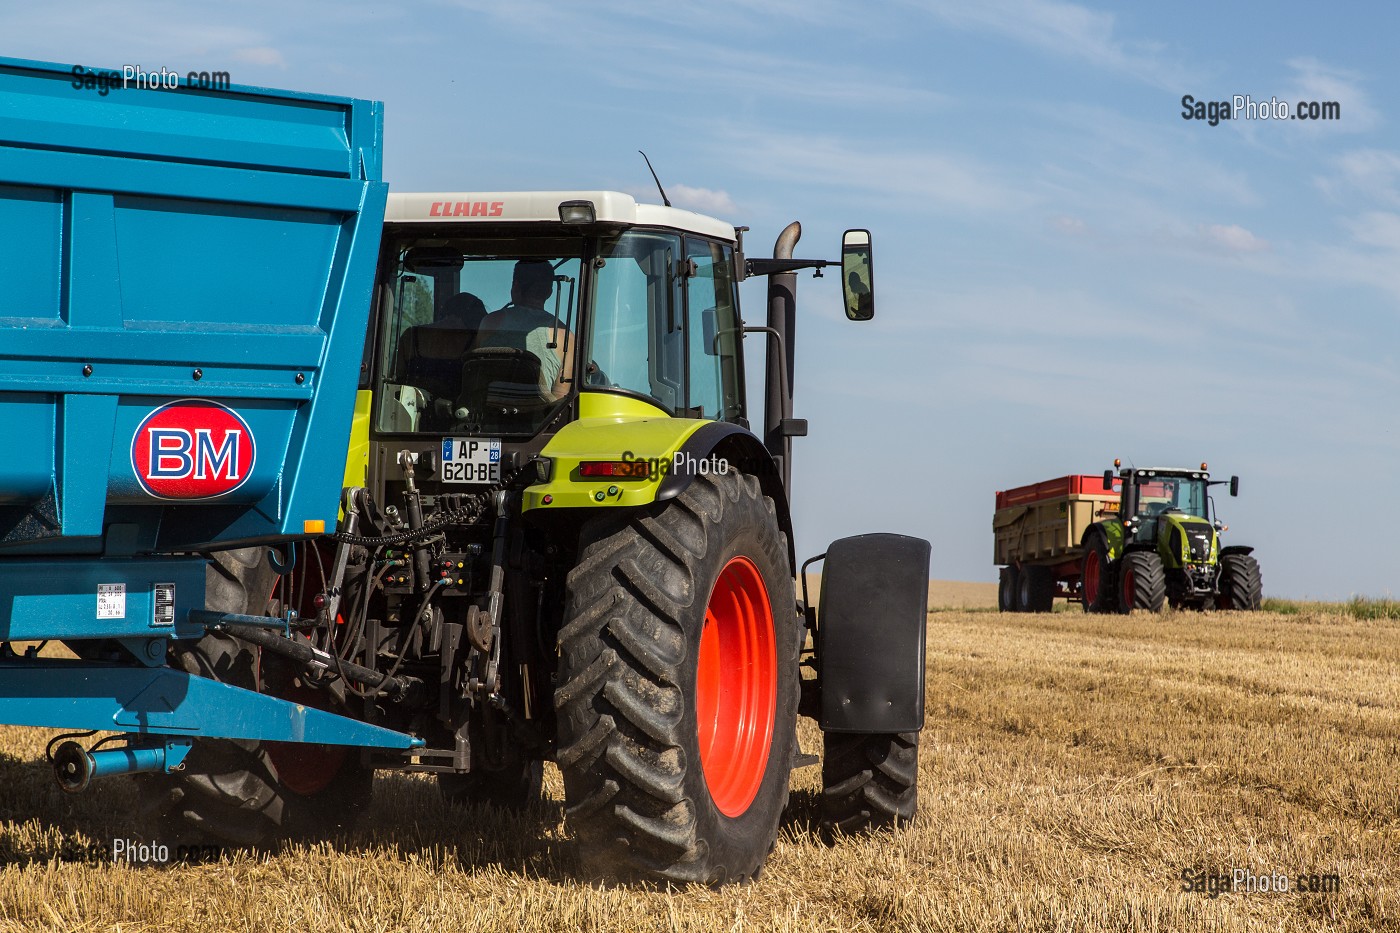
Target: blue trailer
[185, 281]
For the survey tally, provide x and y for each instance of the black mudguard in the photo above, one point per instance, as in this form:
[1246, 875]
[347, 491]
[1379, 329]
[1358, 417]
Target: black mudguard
[870, 634]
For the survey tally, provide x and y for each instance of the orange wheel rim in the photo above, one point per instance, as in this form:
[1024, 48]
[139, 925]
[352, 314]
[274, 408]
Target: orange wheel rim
[736, 687]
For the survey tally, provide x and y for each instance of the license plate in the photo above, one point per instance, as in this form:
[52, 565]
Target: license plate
[471, 460]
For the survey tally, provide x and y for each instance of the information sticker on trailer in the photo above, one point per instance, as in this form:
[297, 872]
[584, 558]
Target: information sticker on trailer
[111, 600]
[471, 460]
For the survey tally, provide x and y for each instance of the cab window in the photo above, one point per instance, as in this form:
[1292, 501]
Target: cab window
[713, 331]
[665, 323]
[638, 339]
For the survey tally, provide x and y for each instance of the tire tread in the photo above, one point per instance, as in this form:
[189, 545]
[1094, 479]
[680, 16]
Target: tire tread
[869, 781]
[619, 700]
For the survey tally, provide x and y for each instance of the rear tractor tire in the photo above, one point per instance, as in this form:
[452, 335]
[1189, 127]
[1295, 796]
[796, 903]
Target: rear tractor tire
[1241, 584]
[251, 792]
[678, 687]
[869, 781]
[1098, 578]
[1142, 583]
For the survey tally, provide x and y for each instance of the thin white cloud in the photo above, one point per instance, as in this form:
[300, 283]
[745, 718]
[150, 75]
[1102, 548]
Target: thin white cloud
[1216, 241]
[1232, 238]
[1379, 229]
[1371, 258]
[1319, 82]
[914, 179]
[1372, 173]
[1065, 30]
[703, 200]
[1104, 156]
[641, 45]
[260, 55]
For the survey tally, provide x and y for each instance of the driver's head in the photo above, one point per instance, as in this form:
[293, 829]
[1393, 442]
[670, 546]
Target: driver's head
[533, 282]
[462, 310]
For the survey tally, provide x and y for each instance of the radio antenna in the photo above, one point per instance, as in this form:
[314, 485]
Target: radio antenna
[664, 200]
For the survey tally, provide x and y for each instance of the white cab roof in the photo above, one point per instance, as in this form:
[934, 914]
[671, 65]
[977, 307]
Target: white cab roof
[543, 207]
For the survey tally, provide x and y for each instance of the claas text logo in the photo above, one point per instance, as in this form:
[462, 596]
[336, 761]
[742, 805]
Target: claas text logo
[192, 449]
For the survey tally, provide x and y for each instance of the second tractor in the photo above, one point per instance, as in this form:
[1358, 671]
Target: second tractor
[1142, 538]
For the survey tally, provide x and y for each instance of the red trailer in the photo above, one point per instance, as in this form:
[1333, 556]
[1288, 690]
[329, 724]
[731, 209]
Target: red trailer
[1038, 531]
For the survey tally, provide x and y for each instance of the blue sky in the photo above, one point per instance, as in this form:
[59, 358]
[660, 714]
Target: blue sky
[1066, 270]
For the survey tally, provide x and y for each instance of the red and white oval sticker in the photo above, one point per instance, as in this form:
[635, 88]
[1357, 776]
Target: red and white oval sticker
[192, 449]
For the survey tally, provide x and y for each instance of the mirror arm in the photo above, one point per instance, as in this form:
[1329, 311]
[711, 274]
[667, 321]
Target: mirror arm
[770, 266]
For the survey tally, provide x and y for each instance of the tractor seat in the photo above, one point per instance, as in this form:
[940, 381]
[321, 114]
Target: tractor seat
[498, 382]
[430, 358]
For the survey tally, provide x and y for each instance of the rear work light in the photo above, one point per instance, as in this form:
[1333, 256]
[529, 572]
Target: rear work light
[615, 469]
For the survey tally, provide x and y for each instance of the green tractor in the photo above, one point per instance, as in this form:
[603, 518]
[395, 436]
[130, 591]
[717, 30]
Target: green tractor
[562, 540]
[1164, 547]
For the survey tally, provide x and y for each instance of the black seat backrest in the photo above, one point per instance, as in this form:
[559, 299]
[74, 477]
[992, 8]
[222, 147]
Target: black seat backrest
[500, 378]
[430, 358]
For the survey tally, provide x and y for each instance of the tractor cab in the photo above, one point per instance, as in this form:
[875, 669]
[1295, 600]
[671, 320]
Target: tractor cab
[497, 310]
[1153, 496]
[1169, 508]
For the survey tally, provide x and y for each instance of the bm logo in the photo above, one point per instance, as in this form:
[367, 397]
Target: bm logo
[192, 449]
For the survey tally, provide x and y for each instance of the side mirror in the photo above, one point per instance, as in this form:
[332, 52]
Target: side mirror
[1234, 485]
[857, 277]
[1108, 481]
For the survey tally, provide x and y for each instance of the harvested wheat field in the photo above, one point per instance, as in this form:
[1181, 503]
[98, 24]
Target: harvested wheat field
[1073, 767]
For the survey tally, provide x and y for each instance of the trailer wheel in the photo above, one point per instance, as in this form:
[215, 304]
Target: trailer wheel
[516, 786]
[247, 792]
[869, 781]
[1097, 578]
[1142, 583]
[1006, 590]
[1241, 584]
[678, 686]
[1036, 592]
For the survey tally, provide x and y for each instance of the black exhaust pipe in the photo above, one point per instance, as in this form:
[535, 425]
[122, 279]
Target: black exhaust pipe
[781, 376]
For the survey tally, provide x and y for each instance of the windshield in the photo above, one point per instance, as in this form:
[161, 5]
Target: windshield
[478, 336]
[1158, 494]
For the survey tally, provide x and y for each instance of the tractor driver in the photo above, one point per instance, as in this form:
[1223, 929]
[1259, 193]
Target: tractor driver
[524, 324]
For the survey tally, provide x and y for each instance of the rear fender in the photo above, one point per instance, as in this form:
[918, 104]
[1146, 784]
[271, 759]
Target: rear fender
[632, 432]
[870, 634]
[737, 449]
[673, 451]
